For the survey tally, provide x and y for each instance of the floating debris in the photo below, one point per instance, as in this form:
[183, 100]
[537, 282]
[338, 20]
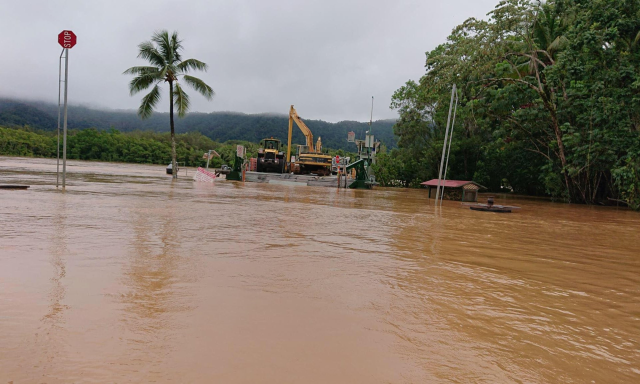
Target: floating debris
[9, 186]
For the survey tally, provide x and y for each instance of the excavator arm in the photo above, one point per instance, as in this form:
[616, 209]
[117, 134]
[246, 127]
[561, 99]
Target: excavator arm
[293, 117]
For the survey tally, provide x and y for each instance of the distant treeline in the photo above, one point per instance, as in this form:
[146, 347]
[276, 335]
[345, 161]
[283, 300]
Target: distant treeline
[219, 126]
[144, 147]
[113, 145]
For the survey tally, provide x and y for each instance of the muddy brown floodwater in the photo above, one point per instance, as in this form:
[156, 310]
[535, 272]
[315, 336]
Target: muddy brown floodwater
[132, 277]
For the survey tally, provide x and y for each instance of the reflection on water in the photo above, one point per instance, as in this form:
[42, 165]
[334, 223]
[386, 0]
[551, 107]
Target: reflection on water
[52, 332]
[130, 276]
[154, 271]
[57, 251]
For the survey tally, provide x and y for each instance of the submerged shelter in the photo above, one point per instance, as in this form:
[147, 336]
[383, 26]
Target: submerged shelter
[455, 189]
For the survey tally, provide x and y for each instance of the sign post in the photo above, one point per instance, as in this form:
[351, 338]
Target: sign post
[67, 39]
[58, 147]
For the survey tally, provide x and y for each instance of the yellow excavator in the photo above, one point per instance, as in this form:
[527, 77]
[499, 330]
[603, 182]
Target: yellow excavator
[310, 159]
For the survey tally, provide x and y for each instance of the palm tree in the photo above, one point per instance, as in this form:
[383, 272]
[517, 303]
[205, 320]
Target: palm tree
[163, 52]
[548, 29]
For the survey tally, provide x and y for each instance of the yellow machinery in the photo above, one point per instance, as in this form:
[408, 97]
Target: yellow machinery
[310, 159]
[270, 158]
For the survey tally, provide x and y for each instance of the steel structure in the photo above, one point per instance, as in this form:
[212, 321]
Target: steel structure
[447, 136]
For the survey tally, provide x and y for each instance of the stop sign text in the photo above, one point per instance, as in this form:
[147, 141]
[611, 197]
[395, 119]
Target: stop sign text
[67, 39]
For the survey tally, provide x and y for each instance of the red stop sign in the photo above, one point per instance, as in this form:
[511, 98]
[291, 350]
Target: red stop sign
[67, 39]
[337, 159]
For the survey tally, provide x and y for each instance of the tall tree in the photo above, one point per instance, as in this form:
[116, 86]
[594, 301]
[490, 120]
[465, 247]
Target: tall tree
[163, 52]
[549, 98]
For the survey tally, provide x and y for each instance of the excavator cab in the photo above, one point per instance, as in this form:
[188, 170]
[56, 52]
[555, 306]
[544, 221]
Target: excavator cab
[270, 157]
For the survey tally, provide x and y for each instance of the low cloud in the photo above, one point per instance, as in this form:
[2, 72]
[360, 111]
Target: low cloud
[326, 57]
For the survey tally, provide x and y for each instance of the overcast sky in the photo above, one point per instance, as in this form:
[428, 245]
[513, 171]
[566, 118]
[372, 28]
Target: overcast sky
[326, 57]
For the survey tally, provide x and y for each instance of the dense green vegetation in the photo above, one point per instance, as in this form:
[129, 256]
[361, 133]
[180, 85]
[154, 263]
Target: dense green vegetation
[549, 103]
[219, 126]
[112, 145]
[143, 147]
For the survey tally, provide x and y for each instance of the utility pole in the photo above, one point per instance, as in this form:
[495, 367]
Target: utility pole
[453, 124]
[370, 150]
[444, 147]
[371, 119]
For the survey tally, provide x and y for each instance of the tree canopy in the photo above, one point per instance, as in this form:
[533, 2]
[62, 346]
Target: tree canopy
[113, 145]
[548, 103]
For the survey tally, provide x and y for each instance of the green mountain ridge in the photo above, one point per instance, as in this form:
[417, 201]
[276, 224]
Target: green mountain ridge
[219, 126]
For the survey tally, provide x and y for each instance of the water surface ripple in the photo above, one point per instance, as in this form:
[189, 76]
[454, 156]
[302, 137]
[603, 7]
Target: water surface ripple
[132, 277]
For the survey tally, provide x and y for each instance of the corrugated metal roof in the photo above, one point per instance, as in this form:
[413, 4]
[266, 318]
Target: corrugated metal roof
[450, 183]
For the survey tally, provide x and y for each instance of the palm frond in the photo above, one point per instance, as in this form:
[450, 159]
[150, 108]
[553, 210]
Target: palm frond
[176, 47]
[149, 102]
[161, 38]
[163, 52]
[142, 82]
[540, 33]
[557, 44]
[140, 70]
[149, 52]
[518, 71]
[637, 39]
[199, 86]
[181, 100]
[192, 64]
[168, 46]
[163, 72]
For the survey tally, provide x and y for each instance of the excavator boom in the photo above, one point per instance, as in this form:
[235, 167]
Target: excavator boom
[293, 115]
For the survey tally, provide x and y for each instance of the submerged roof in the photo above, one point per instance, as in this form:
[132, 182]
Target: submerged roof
[451, 183]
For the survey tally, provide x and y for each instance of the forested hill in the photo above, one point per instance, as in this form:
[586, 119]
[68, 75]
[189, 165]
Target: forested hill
[220, 126]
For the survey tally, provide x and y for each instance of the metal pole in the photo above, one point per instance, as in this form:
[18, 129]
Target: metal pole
[208, 158]
[59, 92]
[371, 120]
[367, 142]
[444, 147]
[453, 125]
[64, 136]
[344, 168]
[344, 172]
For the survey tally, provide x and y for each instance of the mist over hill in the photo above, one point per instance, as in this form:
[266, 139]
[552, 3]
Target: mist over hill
[220, 126]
